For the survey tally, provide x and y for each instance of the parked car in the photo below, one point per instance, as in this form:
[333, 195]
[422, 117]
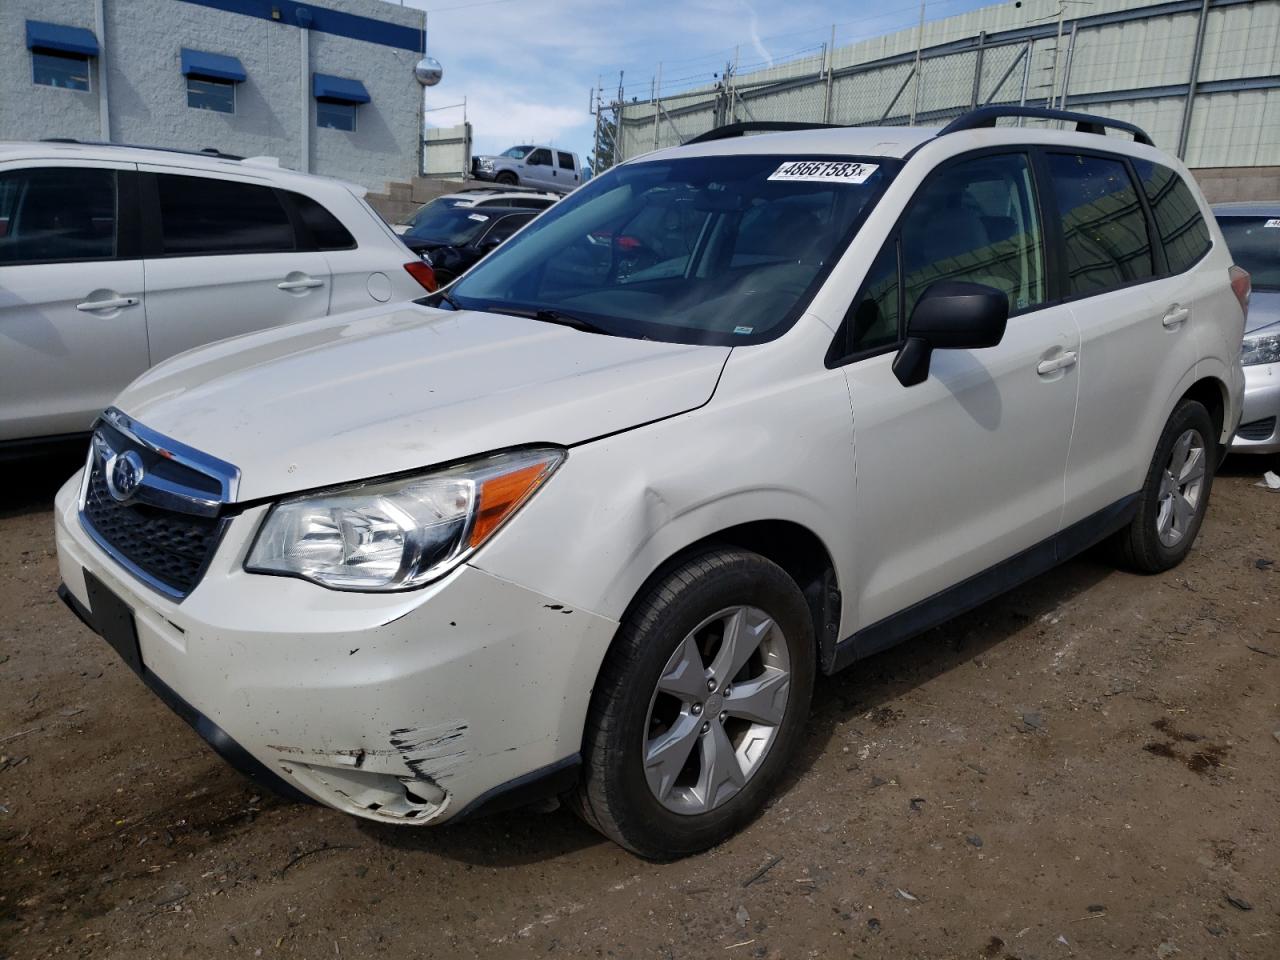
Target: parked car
[453, 240]
[563, 528]
[1252, 231]
[114, 258]
[478, 198]
[529, 165]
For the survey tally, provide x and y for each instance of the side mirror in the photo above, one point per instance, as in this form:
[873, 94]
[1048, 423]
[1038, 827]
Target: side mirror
[951, 315]
[489, 244]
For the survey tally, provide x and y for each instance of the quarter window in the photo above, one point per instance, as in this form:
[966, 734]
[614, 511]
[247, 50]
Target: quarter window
[57, 214]
[336, 116]
[873, 320]
[326, 230]
[976, 221]
[213, 95]
[68, 71]
[1183, 232]
[1104, 227]
[201, 216]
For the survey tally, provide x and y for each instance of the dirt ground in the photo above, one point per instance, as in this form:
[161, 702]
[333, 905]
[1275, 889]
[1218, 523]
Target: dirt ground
[1087, 767]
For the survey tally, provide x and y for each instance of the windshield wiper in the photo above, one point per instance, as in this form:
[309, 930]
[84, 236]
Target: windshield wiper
[544, 315]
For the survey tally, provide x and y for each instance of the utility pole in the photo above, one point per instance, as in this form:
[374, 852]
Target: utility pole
[831, 53]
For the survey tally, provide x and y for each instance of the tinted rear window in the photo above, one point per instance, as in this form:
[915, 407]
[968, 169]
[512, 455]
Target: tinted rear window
[1182, 229]
[1106, 231]
[203, 216]
[57, 214]
[326, 230]
[566, 160]
[1254, 243]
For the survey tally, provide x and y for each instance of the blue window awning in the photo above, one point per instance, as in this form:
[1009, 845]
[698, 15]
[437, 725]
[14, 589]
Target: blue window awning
[212, 66]
[61, 39]
[338, 89]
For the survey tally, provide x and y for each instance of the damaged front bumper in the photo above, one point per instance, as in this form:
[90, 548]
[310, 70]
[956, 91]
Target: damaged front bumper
[413, 707]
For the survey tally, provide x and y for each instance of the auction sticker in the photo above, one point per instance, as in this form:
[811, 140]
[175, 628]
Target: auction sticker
[1272, 223]
[480, 217]
[825, 171]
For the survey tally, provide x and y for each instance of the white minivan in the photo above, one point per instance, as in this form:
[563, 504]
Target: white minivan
[590, 521]
[114, 258]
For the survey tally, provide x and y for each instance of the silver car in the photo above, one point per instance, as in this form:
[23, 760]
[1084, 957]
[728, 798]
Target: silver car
[1252, 231]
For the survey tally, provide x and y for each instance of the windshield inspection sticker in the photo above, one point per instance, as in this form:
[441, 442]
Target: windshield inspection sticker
[824, 171]
[477, 216]
[1272, 223]
[743, 330]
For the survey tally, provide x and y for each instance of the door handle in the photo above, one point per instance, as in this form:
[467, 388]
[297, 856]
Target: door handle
[115, 303]
[299, 284]
[1176, 317]
[1063, 361]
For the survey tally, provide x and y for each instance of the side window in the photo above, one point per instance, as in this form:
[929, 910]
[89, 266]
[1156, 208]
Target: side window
[1106, 232]
[976, 220]
[51, 68]
[326, 230]
[200, 216]
[566, 160]
[873, 320]
[1181, 226]
[506, 227]
[540, 158]
[57, 214]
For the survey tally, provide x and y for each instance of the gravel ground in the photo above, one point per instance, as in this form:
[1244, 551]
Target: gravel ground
[1087, 767]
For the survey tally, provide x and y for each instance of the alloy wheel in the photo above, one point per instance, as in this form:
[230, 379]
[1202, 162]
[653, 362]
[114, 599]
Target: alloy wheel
[1181, 486]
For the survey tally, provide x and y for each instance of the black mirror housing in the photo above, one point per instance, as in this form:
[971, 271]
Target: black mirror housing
[951, 315]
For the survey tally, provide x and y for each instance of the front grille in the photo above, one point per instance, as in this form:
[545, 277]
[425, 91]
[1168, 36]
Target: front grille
[169, 547]
[1257, 430]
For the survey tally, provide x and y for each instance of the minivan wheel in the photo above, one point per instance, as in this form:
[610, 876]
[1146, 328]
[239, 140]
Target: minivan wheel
[699, 706]
[506, 177]
[1176, 493]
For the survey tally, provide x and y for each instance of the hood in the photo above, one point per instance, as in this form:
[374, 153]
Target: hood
[1264, 309]
[363, 394]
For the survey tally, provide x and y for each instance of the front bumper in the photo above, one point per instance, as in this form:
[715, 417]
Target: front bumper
[1259, 430]
[410, 707]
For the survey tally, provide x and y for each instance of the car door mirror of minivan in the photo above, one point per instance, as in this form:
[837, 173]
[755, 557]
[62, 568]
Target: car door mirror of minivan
[951, 315]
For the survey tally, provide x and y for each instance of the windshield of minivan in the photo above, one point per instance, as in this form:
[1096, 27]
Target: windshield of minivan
[724, 250]
[447, 225]
[1254, 243]
[516, 153]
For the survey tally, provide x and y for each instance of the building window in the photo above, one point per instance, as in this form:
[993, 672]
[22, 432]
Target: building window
[64, 70]
[215, 95]
[336, 116]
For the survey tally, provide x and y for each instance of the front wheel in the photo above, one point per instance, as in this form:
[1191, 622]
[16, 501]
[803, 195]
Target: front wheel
[1175, 496]
[507, 178]
[699, 706]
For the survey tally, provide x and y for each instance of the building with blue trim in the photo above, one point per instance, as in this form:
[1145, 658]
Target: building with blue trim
[326, 86]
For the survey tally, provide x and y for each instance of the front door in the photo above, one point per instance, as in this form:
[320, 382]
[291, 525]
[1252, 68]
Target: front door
[965, 470]
[73, 326]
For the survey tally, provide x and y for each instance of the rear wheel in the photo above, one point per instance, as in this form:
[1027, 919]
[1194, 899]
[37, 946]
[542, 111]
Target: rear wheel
[507, 178]
[1175, 496]
[699, 706]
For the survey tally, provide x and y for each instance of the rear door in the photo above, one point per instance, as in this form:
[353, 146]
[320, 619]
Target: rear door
[1137, 324]
[538, 169]
[72, 323]
[223, 258]
[567, 169]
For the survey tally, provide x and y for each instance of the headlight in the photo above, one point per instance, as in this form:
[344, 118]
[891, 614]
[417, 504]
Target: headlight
[486, 163]
[1261, 346]
[398, 534]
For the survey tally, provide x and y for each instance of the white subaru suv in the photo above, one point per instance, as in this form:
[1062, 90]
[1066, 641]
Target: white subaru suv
[589, 522]
[114, 258]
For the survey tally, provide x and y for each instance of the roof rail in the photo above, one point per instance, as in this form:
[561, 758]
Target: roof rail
[756, 126]
[1085, 122]
[203, 152]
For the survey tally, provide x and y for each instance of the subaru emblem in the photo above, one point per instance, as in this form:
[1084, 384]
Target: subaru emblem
[124, 474]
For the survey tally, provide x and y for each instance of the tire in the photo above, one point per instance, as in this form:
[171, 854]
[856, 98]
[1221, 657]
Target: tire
[710, 596]
[1148, 544]
[507, 178]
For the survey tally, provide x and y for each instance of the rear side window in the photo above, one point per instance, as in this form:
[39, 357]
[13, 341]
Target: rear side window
[327, 231]
[201, 216]
[566, 160]
[57, 214]
[1104, 227]
[1181, 226]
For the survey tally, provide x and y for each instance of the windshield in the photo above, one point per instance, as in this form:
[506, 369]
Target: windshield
[516, 153]
[446, 224]
[724, 250]
[1254, 243]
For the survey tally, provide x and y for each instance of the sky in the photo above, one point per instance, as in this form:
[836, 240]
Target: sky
[527, 67]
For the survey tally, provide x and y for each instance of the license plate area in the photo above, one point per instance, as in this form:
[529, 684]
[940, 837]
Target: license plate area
[113, 619]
